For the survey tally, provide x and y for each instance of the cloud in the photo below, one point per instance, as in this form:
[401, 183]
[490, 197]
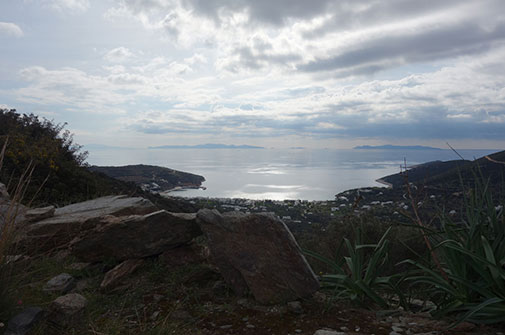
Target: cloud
[69, 5]
[377, 53]
[10, 29]
[118, 55]
[339, 39]
[464, 100]
[265, 11]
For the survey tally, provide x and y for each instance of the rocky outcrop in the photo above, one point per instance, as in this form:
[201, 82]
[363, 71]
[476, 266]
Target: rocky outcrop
[257, 252]
[137, 236]
[186, 254]
[70, 221]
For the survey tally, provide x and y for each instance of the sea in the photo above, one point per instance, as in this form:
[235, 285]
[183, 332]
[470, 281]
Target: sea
[278, 174]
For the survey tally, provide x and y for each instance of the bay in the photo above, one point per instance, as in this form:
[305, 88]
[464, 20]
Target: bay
[277, 174]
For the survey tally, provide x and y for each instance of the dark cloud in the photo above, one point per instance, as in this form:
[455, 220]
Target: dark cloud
[406, 47]
[268, 11]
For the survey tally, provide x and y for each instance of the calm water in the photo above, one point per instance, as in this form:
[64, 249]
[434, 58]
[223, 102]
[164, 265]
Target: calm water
[277, 174]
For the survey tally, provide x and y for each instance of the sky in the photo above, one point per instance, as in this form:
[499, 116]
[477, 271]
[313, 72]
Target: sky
[275, 73]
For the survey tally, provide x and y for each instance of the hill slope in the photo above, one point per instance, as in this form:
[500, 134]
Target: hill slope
[151, 177]
[449, 175]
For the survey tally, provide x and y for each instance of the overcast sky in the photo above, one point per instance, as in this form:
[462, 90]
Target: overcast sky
[278, 73]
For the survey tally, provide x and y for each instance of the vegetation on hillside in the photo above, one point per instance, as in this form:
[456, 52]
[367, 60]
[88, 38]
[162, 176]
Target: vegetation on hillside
[59, 163]
[151, 176]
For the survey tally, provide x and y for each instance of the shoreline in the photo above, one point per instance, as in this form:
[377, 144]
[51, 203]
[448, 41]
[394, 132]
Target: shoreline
[383, 182]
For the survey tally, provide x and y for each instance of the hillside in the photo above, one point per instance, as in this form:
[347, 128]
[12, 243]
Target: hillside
[449, 175]
[149, 177]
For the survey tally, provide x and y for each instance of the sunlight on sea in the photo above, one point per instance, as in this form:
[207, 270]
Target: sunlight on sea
[275, 173]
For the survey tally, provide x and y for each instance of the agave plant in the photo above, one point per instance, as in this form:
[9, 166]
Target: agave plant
[357, 276]
[472, 254]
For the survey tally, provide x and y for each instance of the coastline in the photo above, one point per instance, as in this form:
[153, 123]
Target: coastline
[383, 182]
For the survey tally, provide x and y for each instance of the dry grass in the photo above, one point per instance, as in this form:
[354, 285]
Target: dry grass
[10, 213]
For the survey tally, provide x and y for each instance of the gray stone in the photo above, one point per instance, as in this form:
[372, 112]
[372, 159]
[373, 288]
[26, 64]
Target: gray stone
[38, 214]
[11, 212]
[135, 236]
[67, 309]
[328, 332]
[257, 252]
[79, 266]
[70, 221]
[114, 276]
[24, 321]
[61, 283]
[3, 192]
[295, 307]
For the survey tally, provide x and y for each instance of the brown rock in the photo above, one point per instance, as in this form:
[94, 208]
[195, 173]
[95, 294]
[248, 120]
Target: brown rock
[135, 236]
[257, 252]
[70, 221]
[183, 255]
[119, 272]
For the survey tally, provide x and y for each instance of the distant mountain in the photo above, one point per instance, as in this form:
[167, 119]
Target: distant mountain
[151, 177]
[207, 146]
[395, 147]
[94, 146]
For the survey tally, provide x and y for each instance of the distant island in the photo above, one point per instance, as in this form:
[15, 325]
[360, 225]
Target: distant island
[152, 178]
[207, 146]
[395, 147]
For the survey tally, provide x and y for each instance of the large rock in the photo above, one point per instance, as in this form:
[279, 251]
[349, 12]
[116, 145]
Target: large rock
[71, 220]
[135, 236]
[257, 252]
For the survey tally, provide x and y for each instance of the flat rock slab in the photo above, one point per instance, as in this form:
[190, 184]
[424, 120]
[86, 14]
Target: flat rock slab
[257, 252]
[135, 236]
[69, 221]
[23, 322]
[38, 214]
[62, 283]
[114, 276]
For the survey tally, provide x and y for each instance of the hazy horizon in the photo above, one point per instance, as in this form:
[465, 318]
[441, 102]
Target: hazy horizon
[279, 73]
